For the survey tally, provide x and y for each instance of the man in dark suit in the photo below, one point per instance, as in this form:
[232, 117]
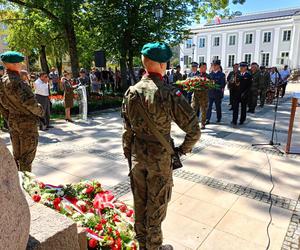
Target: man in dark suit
[240, 92]
[216, 95]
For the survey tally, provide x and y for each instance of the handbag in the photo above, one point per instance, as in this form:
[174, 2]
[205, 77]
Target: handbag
[170, 147]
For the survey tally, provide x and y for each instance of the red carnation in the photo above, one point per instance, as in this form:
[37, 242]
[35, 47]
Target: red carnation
[99, 227]
[83, 208]
[36, 197]
[56, 203]
[103, 221]
[129, 213]
[93, 243]
[41, 185]
[123, 208]
[115, 218]
[89, 189]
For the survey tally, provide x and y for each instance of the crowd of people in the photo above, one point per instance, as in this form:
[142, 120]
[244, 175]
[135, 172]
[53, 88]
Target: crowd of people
[247, 85]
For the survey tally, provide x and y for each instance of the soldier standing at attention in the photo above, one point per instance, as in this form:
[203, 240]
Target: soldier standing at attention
[240, 91]
[264, 83]
[151, 170]
[252, 102]
[230, 80]
[21, 110]
[216, 95]
[193, 73]
[200, 97]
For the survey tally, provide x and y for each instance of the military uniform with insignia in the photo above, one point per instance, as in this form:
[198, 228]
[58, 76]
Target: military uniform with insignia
[21, 110]
[240, 91]
[150, 162]
[253, 94]
[264, 83]
[200, 99]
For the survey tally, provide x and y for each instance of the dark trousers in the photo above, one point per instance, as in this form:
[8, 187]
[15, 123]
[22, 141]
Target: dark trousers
[283, 89]
[55, 86]
[230, 97]
[45, 102]
[252, 100]
[218, 102]
[235, 106]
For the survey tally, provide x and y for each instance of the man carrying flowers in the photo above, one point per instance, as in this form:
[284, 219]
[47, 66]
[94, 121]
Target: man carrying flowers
[200, 97]
[148, 108]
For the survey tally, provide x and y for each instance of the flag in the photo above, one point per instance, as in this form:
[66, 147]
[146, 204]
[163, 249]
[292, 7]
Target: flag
[218, 20]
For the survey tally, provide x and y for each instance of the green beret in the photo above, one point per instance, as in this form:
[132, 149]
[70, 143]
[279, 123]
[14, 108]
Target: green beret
[12, 57]
[1, 67]
[158, 52]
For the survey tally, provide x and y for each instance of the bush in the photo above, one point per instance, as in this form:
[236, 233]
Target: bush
[95, 103]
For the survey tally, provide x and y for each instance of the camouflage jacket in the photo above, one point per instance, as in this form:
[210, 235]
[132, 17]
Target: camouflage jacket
[17, 98]
[164, 104]
[264, 81]
[255, 80]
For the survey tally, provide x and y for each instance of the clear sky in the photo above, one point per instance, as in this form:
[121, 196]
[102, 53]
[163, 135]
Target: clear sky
[264, 5]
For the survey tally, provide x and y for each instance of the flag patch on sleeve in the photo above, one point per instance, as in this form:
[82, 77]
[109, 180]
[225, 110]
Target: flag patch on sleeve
[178, 93]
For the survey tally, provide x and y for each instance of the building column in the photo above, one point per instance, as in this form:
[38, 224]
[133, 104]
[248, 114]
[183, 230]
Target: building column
[239, 57]
[181, 56]
[257, 43]
[276, 41]
[223, 53]
[208, 46]
[195, 41]
[294, 51]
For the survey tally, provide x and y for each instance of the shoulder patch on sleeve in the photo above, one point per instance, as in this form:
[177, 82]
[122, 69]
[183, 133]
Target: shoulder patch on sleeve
[178, 93]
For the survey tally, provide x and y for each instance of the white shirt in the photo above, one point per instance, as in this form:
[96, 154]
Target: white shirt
[41, 88]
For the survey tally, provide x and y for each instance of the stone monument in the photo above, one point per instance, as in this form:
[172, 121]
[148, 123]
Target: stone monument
[14, 210]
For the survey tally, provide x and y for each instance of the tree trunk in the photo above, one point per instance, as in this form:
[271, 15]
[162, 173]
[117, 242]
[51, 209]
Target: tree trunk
[123, 68]
[130, 66]
[58, 62]
[71, 37]
[43, 59]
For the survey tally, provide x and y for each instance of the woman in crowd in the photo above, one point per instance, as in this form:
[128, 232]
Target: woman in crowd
[68, 95]
[275, 79]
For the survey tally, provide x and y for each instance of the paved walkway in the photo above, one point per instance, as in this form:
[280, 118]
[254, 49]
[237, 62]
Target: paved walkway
[221, 196]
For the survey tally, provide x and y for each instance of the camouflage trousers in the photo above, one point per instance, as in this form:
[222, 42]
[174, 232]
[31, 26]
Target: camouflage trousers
[200, 103]
[24, 137]
[262, 96]
[151, 183]
[252, 100]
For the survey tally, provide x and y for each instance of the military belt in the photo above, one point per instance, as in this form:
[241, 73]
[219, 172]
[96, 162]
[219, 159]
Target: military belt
[150, 138]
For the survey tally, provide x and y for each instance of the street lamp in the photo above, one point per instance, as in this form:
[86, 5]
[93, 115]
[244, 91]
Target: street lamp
[158, 12]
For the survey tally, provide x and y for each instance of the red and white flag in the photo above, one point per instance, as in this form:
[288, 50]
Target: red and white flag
[218, 20]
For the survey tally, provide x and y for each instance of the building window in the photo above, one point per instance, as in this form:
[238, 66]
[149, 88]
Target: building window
[217, 41]
[232, 40]
[267, 37]
[248, 58]
[215, 58]
[265, 59]
[231, 60]
[202, 42]
[186, 60]
[287, 35]
[284, 58]
[188, 44]
[201, 59]
[249, 38]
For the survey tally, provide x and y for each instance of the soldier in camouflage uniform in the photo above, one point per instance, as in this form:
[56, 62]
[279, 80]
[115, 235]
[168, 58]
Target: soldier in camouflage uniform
[252, 101]
[21, 110]
[264, 83]
[151, 172]
[200, 97]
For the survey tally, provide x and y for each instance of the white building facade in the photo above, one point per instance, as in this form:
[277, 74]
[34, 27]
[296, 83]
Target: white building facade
[270, 39]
